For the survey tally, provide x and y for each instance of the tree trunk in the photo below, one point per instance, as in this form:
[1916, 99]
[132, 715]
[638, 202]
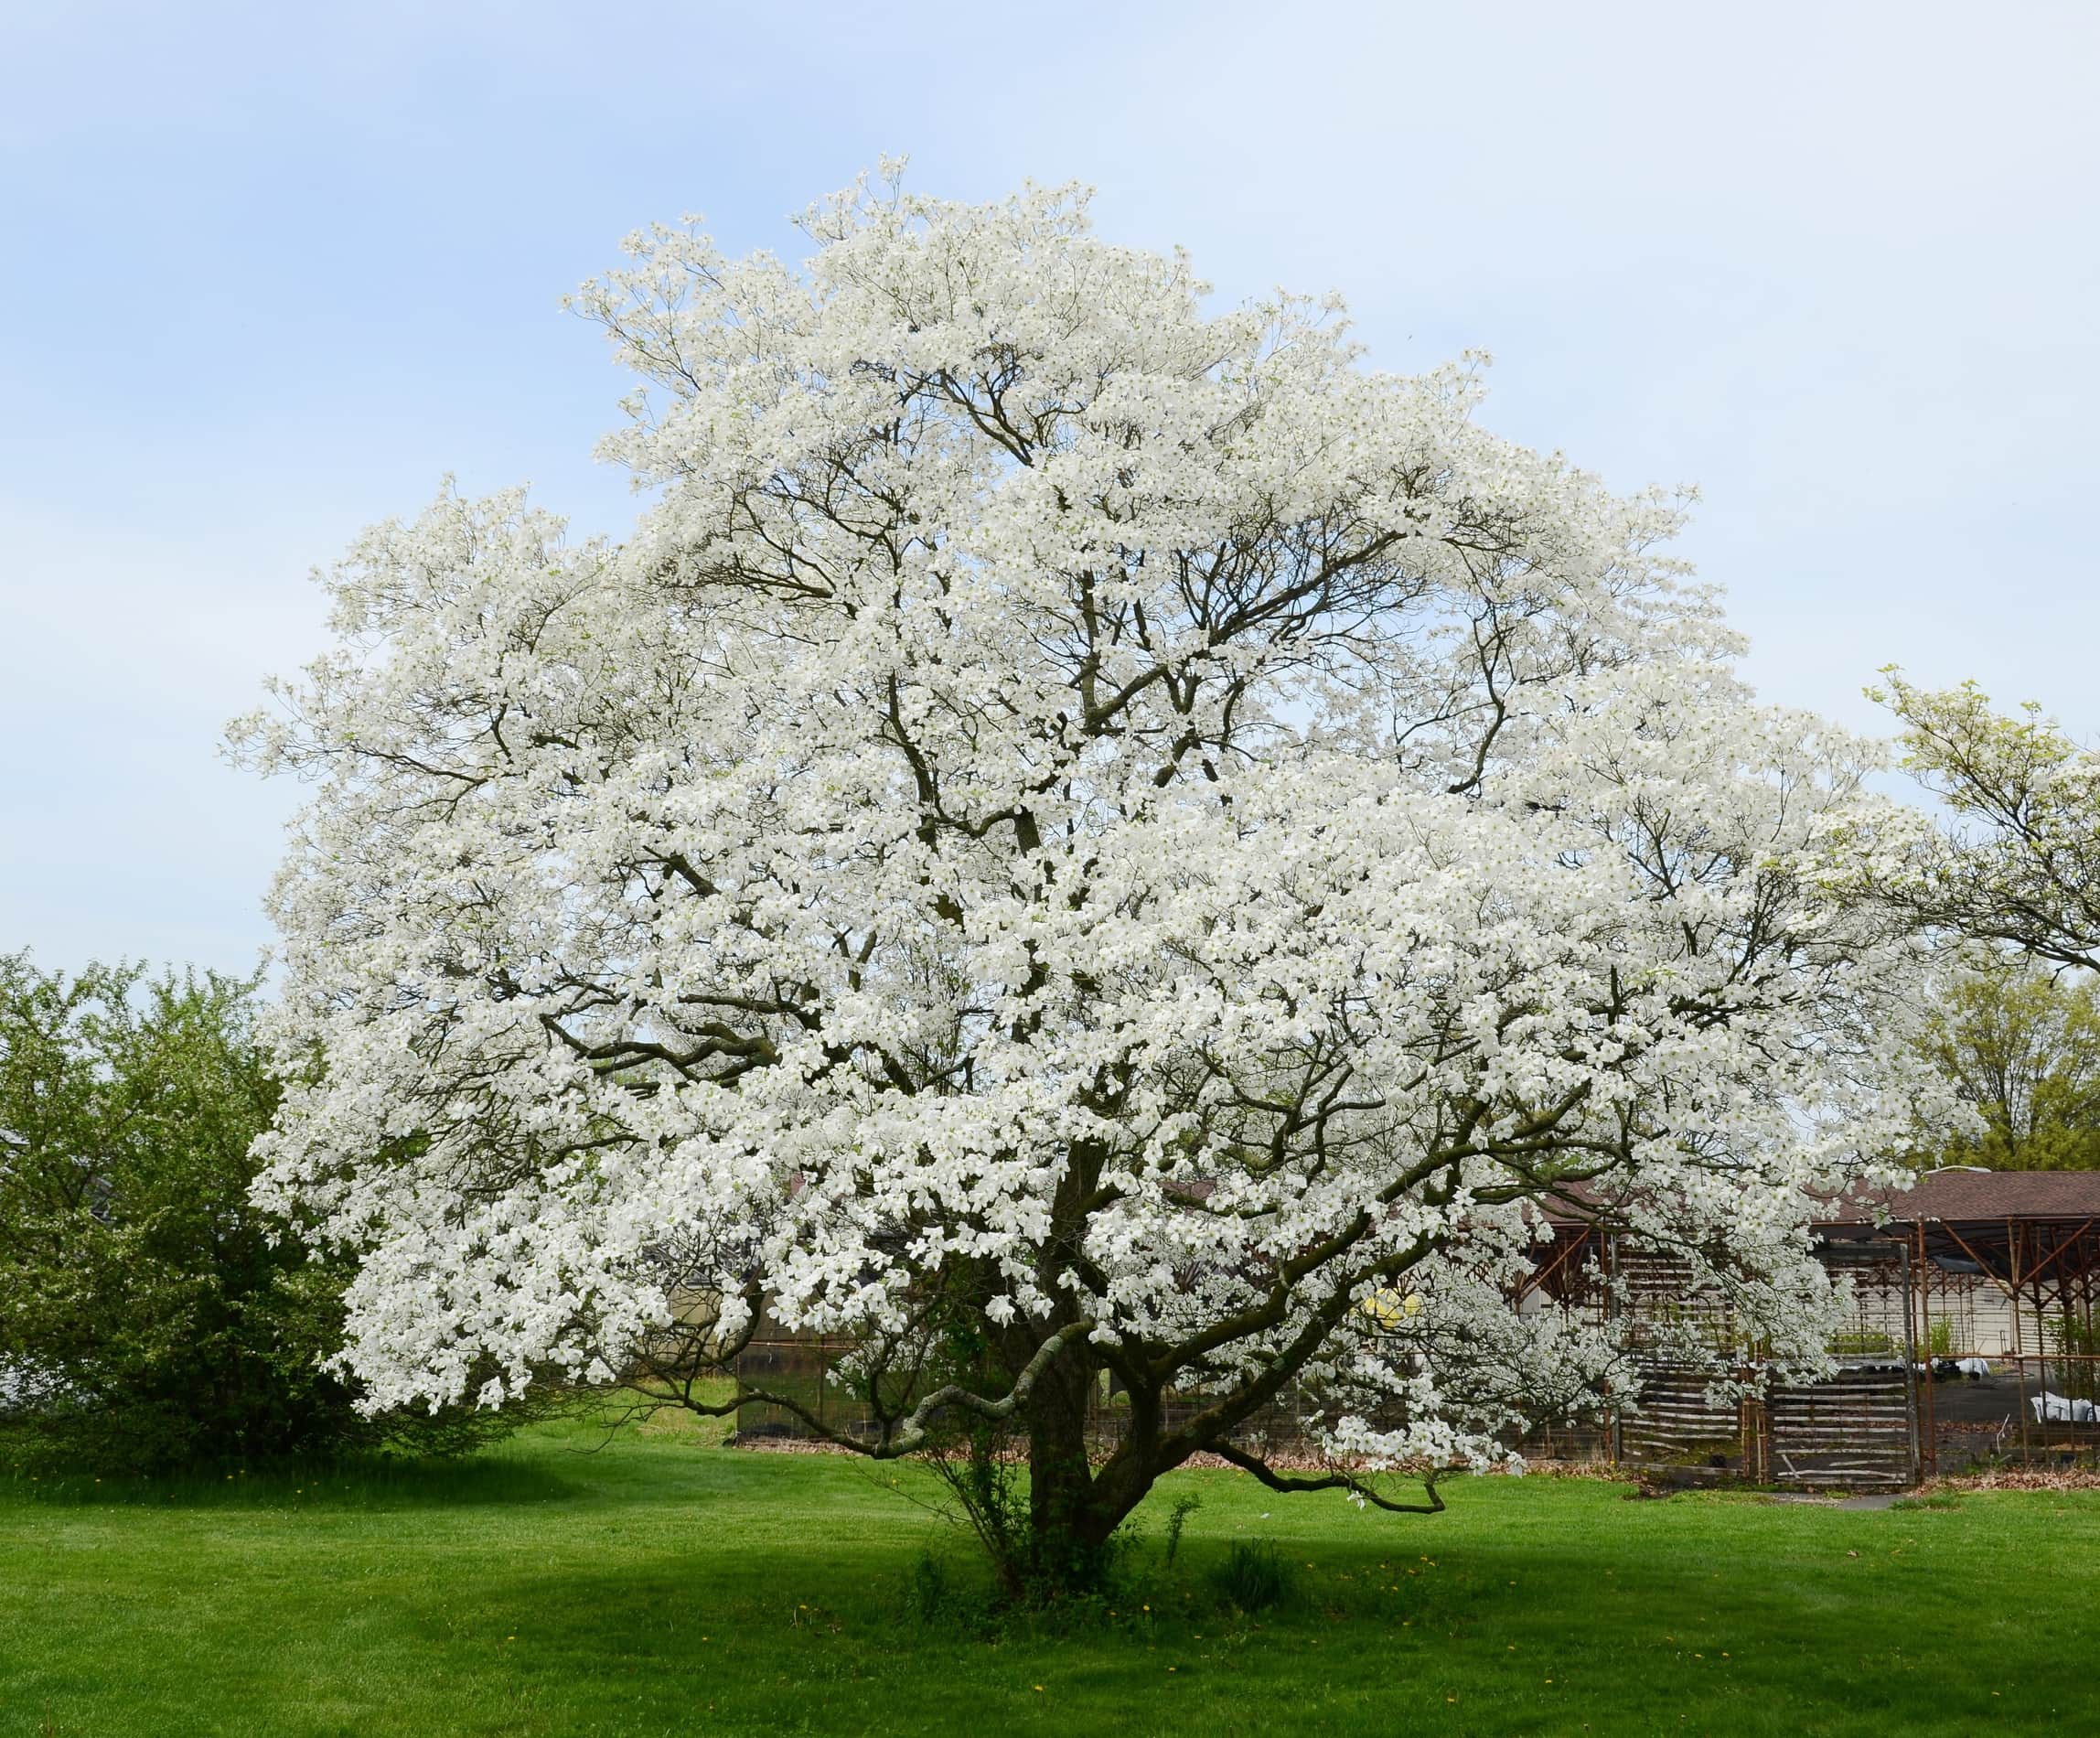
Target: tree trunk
[1067, 1529]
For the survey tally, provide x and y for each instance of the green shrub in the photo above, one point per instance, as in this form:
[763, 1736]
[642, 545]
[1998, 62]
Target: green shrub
[150, 1317]
[1253, 1577]
[929, 1593]
[2076, 1335]
[1862, 1342]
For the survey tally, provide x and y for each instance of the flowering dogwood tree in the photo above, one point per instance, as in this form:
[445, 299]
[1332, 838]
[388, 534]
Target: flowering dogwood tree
[1081, 842]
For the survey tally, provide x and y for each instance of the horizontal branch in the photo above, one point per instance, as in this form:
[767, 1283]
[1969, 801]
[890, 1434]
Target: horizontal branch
[1340, 1479]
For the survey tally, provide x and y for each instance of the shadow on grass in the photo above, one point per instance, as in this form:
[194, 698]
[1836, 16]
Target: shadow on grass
[379, 1483]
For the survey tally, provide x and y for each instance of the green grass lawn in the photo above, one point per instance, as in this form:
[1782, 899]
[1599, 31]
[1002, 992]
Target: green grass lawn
[661, 1586]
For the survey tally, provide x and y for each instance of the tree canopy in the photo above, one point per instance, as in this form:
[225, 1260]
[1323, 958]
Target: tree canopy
[1080, 839]
[2022, 1046]
[2018, 862]
[2014, 866]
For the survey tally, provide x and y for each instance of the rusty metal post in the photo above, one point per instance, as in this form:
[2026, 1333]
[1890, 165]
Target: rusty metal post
[2020, 1366]
[1911, 1370]
[2012, 1275]
[1924, 1277]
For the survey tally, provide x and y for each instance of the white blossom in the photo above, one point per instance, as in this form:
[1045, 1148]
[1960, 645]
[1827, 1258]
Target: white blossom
[1118, 809]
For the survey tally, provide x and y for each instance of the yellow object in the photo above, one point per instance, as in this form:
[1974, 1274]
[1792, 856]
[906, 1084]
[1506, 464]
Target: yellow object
[1388, 1308]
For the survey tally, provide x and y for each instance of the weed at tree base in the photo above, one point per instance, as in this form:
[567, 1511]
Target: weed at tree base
[1253, 1577]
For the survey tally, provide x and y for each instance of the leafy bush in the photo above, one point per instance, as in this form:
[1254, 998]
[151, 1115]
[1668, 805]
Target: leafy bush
[150, 1317]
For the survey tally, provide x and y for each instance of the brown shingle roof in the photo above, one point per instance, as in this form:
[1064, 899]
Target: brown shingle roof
[1961, 1194]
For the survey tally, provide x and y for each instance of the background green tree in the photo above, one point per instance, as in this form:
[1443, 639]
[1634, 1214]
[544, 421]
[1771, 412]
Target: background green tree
[2014, 867]
[150, 1316]
[2017, 861]
[2022, 1046]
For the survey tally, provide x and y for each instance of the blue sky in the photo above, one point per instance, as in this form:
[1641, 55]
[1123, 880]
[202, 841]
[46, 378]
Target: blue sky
[271, 272]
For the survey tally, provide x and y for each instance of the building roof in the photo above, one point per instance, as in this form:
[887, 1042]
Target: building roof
[1961, 1194]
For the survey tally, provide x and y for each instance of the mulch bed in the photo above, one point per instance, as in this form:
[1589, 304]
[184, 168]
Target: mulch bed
[2019, 1478]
